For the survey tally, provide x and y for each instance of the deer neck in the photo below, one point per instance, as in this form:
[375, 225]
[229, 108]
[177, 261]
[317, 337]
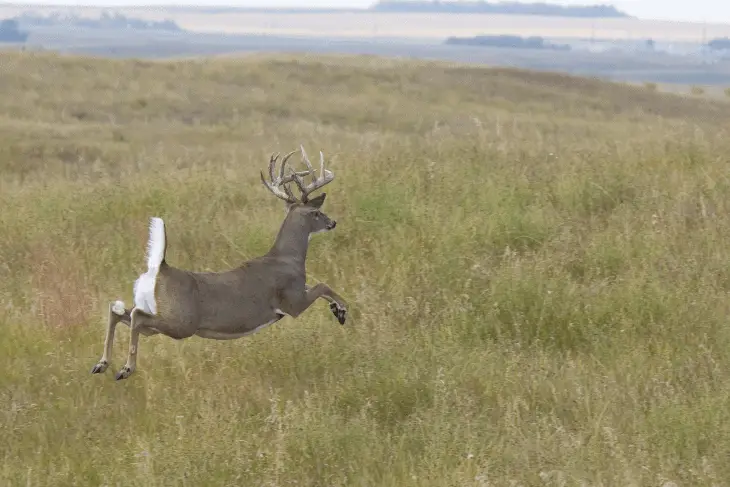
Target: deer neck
[292, 240]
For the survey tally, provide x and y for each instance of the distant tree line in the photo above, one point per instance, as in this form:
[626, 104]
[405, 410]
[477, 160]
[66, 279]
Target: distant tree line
[105, 21]
[10, 31]
[511, 8]
[506, 41]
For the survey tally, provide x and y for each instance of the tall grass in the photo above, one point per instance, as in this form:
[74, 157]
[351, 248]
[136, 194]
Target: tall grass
[537, 268]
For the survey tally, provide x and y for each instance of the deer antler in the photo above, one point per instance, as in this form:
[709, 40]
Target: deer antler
[279, 182]
[325, 176]
[278, 185]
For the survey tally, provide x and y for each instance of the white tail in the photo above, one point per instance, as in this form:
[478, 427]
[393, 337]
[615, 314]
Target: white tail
[156, 244]
[144, 286]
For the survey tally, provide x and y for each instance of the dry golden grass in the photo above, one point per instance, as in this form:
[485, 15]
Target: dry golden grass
[537, 268]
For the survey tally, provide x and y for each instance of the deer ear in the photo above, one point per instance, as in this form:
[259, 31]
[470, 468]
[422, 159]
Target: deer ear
[318, 201]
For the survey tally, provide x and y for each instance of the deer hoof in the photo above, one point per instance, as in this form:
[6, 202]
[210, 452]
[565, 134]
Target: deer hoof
[100, 368]
[124, 373]
[339, 311]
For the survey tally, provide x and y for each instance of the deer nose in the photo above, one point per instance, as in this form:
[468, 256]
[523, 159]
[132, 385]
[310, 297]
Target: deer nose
[331, 225]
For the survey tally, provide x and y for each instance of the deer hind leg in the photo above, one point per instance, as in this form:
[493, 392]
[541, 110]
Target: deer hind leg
[149, 325]
[143, 323]
[117, 313]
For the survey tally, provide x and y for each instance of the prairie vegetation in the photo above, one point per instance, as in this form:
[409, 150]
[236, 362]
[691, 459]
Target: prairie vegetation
[537, 268]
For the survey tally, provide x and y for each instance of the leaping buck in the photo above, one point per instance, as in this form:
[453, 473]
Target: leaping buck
[229, 305]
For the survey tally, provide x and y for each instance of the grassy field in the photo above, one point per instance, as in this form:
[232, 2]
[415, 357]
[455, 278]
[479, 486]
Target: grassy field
[537, 268]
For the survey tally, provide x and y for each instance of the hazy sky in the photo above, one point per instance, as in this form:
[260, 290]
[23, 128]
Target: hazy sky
[688, 10]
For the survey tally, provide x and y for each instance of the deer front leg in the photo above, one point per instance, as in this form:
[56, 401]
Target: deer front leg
[117, 313]
[298, 303]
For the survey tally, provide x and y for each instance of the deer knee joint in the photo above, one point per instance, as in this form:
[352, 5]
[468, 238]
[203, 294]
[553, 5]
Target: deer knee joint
[118, 308]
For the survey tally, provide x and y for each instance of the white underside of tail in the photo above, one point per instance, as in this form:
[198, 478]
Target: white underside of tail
[144, 286]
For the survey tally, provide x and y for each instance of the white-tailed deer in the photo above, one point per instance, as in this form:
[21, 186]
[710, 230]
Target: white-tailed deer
[238, 302]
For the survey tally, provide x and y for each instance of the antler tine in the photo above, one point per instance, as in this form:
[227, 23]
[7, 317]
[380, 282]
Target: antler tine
[322, 169]
[282, 181]
[288, 192]
[305, 159]
[283, 165]
[277, 183]
[325, 176]
[272, 165]
[276, 191]
[300, 184]
[290, 178]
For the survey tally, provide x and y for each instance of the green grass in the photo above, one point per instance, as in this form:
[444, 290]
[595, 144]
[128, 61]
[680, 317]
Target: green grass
[537, 268]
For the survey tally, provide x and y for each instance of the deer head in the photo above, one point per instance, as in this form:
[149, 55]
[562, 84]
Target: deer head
[307, 212]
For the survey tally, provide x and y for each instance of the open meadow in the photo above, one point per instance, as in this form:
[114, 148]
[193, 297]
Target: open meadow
[537, 269]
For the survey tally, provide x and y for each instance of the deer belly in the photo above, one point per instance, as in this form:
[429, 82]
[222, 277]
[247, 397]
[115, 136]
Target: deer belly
[232, 334]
